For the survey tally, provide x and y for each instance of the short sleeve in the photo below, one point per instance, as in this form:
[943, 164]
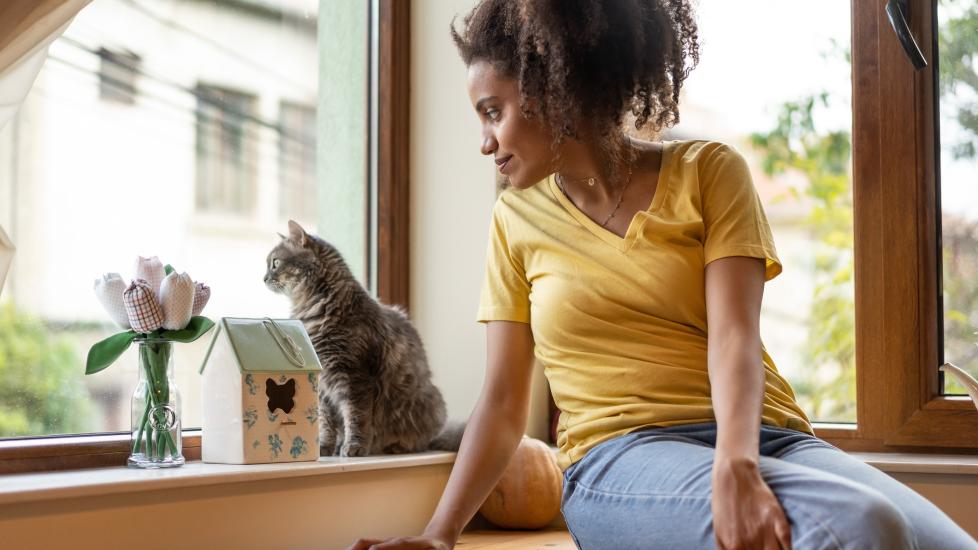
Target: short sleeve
[734, 219]
[505, 289]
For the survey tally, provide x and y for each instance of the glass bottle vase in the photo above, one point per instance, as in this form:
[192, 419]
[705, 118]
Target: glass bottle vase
[156, 441]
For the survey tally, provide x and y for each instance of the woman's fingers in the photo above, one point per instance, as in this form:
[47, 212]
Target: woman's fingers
[364, 544]
[782, 531]
[411, 543]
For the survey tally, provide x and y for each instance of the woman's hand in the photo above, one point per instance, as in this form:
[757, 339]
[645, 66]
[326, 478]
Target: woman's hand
[746, 514]
[404, 543]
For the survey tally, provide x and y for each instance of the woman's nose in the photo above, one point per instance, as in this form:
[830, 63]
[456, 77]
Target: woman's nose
[489, 144]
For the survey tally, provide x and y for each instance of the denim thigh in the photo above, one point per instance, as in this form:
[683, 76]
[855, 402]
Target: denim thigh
[652, 489]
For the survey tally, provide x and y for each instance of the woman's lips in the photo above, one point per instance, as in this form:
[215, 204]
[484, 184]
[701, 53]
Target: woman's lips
[503, 163]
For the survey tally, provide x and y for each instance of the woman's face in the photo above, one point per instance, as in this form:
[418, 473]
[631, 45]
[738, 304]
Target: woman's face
[520, 146]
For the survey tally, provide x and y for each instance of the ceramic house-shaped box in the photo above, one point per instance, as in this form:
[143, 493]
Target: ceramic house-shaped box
[260, 388]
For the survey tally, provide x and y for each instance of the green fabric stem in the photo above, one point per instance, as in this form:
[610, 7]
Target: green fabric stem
[142, 426]
[155, 358]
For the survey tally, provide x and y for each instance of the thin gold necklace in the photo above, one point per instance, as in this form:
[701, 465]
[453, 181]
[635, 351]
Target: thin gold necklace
[590, 181]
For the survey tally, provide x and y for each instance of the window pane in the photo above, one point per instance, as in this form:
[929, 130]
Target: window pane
[958, 121]
[779, 91]
[158, 127]
[297, 162]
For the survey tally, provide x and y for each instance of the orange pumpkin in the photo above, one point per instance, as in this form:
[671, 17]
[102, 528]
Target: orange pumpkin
[527, 496]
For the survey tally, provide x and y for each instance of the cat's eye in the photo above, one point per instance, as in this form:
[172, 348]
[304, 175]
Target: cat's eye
[275, 263]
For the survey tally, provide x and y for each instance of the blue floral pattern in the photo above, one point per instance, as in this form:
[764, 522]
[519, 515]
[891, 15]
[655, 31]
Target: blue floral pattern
[314, 381]
[299, 447]
[272, 417]
[250, 417]
[252, 387]
[312, 413]
[256, 444]
[274, 445]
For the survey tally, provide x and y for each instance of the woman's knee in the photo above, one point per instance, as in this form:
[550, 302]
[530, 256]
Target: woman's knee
[866, 519]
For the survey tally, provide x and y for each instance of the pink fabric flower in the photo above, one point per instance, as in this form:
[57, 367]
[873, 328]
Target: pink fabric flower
[109, 290]
[202, 293]
[177, 300]
[144, 311]
[151, 270]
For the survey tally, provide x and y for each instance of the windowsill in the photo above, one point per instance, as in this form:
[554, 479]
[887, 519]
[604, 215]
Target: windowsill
[899, 463]
[33, 487]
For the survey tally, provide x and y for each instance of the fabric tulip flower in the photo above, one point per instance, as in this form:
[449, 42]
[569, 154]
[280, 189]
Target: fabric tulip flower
[177, 300]
[151, 270]
[109, 290]
[144, 311]
[202, 293]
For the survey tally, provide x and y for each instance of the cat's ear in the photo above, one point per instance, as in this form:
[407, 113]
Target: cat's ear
[297, 234]
[284, 238]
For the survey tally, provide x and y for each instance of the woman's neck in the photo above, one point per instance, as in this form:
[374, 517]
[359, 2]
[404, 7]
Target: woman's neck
[582, 175]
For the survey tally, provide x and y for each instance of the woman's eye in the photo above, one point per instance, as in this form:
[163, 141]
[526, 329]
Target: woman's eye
[492, 114]
[275, 263]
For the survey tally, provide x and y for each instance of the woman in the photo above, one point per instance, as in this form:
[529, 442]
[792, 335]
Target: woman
[615, 261]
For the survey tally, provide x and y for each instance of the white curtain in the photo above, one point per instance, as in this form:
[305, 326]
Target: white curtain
[27, 28]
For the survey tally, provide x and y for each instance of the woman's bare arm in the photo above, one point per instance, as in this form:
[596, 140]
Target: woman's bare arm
[493, 431]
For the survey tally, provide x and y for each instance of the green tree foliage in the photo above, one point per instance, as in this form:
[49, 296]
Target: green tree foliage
[957, 42]
[826, 385]
[958, 85]
[42, 390]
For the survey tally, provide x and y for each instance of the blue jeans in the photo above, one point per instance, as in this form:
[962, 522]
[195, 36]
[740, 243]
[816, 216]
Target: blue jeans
[652, 489]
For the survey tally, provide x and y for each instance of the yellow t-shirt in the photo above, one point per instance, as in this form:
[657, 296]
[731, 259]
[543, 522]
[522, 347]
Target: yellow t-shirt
[620, 323]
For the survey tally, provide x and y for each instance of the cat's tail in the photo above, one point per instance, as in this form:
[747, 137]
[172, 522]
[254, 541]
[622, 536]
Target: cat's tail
[450, 437]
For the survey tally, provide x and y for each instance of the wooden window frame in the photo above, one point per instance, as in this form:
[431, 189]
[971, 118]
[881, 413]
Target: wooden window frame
[393, 173]
[107, 450]
[899, 406]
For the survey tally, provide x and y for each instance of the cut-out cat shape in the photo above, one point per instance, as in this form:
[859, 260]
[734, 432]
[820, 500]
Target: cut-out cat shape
[280, 396]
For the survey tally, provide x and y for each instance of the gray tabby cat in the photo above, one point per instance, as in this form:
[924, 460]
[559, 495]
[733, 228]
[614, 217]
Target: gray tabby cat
[375, 390]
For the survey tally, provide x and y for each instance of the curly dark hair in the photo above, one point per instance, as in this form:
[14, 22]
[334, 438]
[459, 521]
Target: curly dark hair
[588, 64]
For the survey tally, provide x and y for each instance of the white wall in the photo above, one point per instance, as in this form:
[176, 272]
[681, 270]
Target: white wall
[452, 193]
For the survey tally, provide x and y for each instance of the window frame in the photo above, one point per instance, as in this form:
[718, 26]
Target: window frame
[69, 452]
[899, 406]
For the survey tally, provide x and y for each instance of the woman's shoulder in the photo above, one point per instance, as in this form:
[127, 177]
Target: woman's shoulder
[512, 200]
[702, 151]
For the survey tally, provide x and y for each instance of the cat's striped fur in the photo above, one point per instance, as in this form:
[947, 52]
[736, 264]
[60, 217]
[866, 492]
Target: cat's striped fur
[375, 392]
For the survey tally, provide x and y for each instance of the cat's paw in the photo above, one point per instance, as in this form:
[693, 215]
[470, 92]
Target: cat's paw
[396, 449]
[328, 449]
[353, 449]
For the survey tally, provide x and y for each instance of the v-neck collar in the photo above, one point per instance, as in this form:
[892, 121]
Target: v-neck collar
[622, 244]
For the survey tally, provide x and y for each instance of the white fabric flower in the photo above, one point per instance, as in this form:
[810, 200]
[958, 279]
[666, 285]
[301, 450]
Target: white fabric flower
[151, 270]
[144, 311]
[109, 289]
[177, 300]
[202, 293]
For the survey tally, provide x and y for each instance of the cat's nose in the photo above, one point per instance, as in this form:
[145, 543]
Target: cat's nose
[266, 278]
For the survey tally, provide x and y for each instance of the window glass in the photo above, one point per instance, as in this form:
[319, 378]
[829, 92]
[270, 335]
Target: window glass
[957, 118]
[171, 128]
[780, 92]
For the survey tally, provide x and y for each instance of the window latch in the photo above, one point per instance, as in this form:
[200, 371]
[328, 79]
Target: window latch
[899, 12]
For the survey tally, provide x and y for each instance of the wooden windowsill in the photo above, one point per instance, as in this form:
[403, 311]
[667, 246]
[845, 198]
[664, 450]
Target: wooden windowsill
[42, 486]
[893, 463]
[33, 487]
